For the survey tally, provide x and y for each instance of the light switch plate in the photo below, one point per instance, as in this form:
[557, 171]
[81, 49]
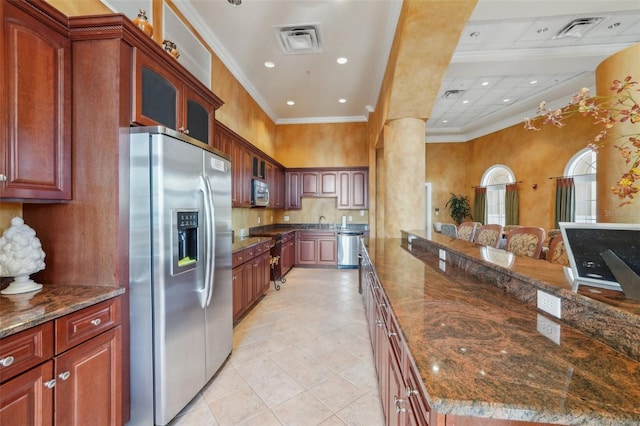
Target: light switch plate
[549, 303]
[442, 254]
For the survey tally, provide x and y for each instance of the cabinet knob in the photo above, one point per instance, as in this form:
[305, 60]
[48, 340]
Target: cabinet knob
[96, 322]
[3, 178]
[379, 323]
[7, 361]
[50, 384]
[65, 375]
[391, 334]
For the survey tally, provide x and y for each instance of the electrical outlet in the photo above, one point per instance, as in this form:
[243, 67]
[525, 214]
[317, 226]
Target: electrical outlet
[442, 264]
[442, 255]
[350, 218]
[549, 329]
[286, 218]
[361, 212]
[550, 304]
[258, 221]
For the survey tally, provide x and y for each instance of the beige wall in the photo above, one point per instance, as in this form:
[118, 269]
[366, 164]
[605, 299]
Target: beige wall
[533, 156]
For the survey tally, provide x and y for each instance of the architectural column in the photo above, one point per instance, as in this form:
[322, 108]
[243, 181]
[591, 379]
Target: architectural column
[404, 174]
[611, 165]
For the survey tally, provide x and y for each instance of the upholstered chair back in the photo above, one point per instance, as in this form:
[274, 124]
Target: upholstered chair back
[489, 235]
[526, 241]
[467, 230]
[449, 229]
[557, 251]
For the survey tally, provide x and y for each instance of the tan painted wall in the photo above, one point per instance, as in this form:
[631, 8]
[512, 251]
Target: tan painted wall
[322, 145]
[533, 156]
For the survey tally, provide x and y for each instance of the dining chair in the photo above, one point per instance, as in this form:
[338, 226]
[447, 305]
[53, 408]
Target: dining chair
[557, 251]
[489, 235]
[467, 230]
[526, 241]
[450, 230]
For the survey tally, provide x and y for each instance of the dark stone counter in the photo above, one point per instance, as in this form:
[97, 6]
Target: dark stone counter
[480, 353]
[22, 311]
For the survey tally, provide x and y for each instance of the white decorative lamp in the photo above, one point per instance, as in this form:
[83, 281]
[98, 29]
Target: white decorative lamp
[20, 256]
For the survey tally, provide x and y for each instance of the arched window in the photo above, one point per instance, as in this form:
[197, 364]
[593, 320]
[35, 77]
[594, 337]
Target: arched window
[582, 167]
[495, 179]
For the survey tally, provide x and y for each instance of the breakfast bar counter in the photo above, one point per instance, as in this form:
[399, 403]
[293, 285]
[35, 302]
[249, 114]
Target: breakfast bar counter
[482, 353]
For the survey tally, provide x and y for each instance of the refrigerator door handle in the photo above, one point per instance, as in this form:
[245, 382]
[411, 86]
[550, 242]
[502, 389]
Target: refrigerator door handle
[210, 243]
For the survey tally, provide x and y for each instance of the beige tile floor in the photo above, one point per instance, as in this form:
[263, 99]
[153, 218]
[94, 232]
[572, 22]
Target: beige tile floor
[302, 356]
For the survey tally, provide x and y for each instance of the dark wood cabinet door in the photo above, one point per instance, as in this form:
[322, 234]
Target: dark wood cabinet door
[344, 190]
[89, 382]
[199, 116]
[328, 184]
[359, 190]
[310, 184]
[238, 292]
[293, 190]
[306, 252]
[247, 162]
[237, 175]
[35, 153]
[26, 399]
[327, 251]
[248, 276]
[156, 95]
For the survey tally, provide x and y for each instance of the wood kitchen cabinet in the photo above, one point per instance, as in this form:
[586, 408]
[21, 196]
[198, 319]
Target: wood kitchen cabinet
[288, 252]
[35, 153]
[316, 248]
[162, 97]
[65, 372]
[250, 274]
[353, 189]
[350, 186]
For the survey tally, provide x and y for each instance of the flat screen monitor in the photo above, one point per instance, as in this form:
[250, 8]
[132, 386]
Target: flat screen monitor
[605, 255]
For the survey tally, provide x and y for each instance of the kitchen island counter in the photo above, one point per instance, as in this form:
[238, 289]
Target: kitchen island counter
[479, 351]
[22, 311]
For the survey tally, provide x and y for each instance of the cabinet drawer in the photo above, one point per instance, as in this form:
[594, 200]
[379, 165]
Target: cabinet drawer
[89, 322]
[242, 256]
[26, 349]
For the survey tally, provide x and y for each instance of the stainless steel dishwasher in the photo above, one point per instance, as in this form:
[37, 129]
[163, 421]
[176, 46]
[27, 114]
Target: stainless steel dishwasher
[348, 248]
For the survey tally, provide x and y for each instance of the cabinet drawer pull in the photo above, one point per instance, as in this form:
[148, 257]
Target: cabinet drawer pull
[397, 403]
[7, 361]
[3, 178]
[96, 322]
[391, 334]
[379, 323]
[383, 305]
[50, 384]
[411, 391]
[65, 375]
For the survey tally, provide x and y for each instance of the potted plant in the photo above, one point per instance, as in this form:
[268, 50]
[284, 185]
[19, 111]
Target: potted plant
[459, 208]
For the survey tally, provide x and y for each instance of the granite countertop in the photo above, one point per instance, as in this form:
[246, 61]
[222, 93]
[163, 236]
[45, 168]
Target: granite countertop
[479, 352]
[276, 229]
[241, 244]
[21, 311]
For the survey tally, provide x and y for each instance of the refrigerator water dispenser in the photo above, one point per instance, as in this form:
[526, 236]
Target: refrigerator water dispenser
[185, 230]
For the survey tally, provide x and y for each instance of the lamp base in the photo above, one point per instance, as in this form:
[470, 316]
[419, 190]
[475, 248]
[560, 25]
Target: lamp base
[21, 284]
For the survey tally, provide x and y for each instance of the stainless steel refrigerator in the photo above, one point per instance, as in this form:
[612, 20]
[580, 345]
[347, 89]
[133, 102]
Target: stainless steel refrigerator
[180, 270]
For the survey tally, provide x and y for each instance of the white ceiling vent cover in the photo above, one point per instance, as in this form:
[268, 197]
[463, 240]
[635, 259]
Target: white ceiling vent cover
[577, 28]
[300, 38]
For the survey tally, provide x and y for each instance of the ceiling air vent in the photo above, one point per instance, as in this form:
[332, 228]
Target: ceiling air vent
[577, 28]
[453, 94]
[300, 39]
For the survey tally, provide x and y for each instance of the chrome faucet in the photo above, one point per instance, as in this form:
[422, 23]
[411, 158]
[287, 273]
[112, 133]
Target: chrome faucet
[320, 220]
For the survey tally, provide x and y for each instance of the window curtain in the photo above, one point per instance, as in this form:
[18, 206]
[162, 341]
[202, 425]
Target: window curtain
[511, 204]
[565, 201]
[480, 205]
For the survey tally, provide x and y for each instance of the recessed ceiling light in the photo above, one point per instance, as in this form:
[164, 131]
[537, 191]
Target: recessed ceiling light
[506, 100]
[235, 2]
[466, 101]
[445, 121]
[269, 64]
[342, 100]
[533, 82]
[290, 103]
[342, 60]
[485, 83]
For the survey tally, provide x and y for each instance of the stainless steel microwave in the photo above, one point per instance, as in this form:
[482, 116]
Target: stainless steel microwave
[259, 193]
